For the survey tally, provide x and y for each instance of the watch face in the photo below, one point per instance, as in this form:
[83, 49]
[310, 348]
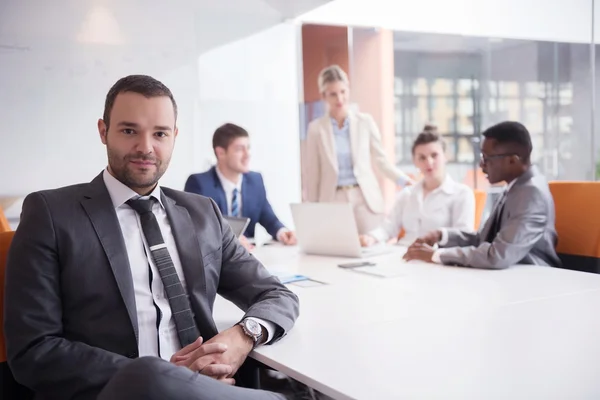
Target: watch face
[253, 327]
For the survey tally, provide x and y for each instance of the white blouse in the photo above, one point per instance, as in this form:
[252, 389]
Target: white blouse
[452, 205]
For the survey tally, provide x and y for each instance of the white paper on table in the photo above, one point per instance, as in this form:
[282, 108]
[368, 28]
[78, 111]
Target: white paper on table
[387, 271]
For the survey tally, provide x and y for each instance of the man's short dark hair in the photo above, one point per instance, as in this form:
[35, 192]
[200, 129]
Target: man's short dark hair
[428, 137]
[145, 85]
[514, 134]
[225, 134]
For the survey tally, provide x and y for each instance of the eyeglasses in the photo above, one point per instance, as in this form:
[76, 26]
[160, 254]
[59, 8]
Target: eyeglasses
[484, 159]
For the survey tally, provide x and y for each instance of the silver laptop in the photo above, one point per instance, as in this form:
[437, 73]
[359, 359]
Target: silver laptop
[329, 229]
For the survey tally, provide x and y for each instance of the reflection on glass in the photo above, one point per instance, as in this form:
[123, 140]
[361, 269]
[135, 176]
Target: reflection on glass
[565, 124]
[420, 87]
[533, 115]
[482, 82]
[465, 86]
[465, 150]
[535, 89]
[508, 89]
[398, 89]
[442, 87]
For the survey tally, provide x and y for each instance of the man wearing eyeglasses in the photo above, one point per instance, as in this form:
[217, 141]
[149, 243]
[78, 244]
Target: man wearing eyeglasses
[520, 229]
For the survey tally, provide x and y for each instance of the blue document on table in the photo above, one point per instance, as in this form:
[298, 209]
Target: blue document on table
[296, 279]
[286, 278]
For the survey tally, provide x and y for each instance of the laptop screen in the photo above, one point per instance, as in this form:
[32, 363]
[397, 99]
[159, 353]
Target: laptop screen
[238, 224]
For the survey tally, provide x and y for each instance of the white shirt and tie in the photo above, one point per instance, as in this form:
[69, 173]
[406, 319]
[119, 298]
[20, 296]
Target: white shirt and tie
[228, 187]
[157, 336]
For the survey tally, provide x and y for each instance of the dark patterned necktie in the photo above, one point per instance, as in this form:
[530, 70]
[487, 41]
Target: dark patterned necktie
[187, 331]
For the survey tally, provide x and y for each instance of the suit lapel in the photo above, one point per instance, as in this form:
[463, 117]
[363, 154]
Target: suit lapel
[220, 198]
[353, 127]
[188, 247]
[99, 208]
[245, 209]
[329, 142]
[500, 213]
[494, 221]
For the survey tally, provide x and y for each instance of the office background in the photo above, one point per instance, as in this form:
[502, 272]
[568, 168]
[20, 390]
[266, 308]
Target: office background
[463, 64]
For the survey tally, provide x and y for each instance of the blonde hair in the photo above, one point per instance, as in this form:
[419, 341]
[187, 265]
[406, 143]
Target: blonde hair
[333, 73]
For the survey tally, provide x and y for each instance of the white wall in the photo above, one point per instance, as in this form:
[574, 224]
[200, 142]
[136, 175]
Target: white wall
[58, 60]
[54, 77]
[254, 83]
[49, 109]
[552, 20]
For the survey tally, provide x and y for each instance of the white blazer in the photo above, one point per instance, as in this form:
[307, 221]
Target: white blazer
[322, 165]
[452, 205]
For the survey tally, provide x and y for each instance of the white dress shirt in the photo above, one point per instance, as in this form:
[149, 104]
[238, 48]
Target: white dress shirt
[450, 205]
[162, 340]
[436, 258]
[228, 187]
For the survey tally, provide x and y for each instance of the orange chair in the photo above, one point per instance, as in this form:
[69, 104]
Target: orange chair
[476, 175]
[480, 199]
[9, 388]
[5, 239]
[4, 225]
[401, 234]
[578, 224]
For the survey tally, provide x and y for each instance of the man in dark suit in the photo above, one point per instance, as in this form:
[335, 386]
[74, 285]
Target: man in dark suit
[237, 190]
[110, 285]
[520, 229]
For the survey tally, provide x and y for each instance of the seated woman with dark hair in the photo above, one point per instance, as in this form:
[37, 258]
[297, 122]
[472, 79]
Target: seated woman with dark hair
[437, 201]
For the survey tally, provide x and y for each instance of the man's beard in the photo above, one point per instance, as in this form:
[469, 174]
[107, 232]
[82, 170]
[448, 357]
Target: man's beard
[123, 170]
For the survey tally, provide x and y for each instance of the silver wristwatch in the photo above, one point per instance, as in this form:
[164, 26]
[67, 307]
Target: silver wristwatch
[252, 328]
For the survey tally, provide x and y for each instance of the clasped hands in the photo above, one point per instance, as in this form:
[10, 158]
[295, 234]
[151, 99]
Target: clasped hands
[219, 357]
[422, 249]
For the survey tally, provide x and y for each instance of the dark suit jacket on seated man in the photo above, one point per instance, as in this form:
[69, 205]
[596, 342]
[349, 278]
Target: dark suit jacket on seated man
[237, 190]
[520, 229]
[110, 285]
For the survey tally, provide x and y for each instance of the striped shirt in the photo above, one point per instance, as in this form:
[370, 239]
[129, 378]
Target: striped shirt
[344, 153]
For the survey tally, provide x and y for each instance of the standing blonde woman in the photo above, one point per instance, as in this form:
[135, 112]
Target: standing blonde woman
[340, 148]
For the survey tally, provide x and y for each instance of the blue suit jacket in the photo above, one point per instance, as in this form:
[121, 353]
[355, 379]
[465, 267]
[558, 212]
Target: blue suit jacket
[254, 199]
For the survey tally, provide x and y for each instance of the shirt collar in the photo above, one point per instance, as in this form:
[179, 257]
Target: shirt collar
[511, 184]
[526, 175]
[448, 186]
[344, 125]
[120, 193]
[228, 185]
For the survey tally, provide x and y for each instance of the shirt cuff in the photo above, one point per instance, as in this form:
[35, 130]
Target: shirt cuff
[444, 237]
[280, 232]
[380, 235]
[436, 257]
[268, 325]
[403, 180]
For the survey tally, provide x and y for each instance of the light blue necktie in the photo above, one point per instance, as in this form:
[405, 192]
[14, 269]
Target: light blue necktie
[235, 204]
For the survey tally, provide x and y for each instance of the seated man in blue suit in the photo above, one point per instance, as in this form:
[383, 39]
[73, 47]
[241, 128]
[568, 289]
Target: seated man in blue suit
[238, 191]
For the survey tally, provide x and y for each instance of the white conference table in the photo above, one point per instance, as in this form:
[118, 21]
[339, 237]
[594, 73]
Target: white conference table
[437, 332]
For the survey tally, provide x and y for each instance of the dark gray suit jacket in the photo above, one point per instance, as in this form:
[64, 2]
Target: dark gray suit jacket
[527, 233]
[70, 314]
